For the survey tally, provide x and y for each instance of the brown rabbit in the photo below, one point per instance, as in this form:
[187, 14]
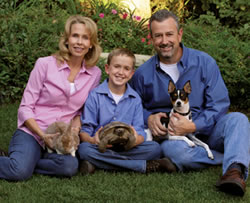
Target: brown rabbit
[68, 140]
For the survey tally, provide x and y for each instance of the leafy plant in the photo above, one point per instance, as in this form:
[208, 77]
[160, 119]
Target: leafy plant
[31, 29]
[28, 31]
[230, 53]
[119, 27]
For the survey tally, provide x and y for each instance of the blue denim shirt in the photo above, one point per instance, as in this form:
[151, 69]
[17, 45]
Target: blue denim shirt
[100, 109]
[209, 98]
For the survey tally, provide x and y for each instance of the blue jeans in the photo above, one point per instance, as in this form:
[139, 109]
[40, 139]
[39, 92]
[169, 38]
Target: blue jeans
[229, 142]
[134, 159]
[26, 156]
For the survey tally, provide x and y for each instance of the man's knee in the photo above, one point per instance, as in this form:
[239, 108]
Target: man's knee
[178, 151]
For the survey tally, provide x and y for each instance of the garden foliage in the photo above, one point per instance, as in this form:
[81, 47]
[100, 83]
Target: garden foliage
[31, 29]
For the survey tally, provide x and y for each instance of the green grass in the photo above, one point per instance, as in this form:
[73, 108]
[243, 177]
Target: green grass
[104, 186]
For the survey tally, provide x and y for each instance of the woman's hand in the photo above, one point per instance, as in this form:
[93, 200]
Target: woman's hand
[49, 139]
[76, 129]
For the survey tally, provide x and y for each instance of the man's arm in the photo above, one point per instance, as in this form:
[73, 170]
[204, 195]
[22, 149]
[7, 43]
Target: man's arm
[216, 100]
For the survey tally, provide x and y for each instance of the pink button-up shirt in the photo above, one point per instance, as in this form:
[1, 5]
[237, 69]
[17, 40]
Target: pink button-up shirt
[47, 98]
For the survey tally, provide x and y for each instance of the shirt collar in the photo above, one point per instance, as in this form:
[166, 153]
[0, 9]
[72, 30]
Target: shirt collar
[183, 60]
[83, 68]
[104, 89]
[184, 57]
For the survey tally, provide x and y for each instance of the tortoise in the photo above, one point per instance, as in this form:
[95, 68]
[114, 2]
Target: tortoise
[118, 134]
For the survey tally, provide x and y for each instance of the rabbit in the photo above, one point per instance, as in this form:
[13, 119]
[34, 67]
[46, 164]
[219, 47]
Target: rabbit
[68, 140]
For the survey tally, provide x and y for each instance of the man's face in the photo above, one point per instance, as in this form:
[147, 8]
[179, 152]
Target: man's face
[166, 40]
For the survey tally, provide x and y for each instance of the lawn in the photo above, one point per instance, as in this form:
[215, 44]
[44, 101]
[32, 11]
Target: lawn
[110, 187]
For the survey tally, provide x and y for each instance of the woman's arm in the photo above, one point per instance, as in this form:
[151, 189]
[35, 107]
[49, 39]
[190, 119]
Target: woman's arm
[32, 125]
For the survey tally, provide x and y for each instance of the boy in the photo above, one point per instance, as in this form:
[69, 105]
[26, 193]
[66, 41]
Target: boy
[115, 100]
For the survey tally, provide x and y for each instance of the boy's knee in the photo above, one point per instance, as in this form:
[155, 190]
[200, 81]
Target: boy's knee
[156, 149]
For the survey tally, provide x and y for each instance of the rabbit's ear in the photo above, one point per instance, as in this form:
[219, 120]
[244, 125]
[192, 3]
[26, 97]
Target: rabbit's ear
[70, 123]
[58, 127]
[68, 130]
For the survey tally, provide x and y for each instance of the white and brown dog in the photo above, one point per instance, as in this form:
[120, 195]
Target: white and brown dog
[180, 102]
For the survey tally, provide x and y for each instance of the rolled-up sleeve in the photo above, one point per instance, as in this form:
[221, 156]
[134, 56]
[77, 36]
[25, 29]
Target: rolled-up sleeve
[138, 121]
[89, 115]
[31, 93]
[216, 100]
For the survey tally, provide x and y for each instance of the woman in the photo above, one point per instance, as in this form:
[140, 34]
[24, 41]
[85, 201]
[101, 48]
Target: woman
[57, 89]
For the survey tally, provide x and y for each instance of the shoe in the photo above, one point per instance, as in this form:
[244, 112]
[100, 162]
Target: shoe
[3, 153]
[232, 182]
[160, 165]
[86, 168]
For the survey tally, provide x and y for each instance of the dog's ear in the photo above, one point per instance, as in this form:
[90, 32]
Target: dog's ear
[187, 87]
[171, 86]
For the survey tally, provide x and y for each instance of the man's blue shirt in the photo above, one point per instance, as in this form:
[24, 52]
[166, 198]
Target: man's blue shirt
[209, 97]
[100, 109]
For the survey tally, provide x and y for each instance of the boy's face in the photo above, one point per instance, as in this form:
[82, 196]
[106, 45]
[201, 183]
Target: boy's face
[120, 71]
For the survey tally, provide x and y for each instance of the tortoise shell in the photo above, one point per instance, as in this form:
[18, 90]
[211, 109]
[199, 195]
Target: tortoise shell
[118, 134]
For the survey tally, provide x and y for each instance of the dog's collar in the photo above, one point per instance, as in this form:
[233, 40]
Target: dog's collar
[183, 114]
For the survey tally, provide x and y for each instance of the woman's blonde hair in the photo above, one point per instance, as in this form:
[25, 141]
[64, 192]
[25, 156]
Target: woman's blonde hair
[93, 54]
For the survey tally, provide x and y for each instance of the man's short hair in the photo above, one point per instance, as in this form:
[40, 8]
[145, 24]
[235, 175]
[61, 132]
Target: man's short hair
[162, 15]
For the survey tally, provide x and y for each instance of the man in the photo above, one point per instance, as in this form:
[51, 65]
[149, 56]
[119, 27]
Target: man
[228, 135]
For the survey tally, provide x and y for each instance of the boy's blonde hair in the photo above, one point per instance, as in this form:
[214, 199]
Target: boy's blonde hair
[121, 52]
[93, 54]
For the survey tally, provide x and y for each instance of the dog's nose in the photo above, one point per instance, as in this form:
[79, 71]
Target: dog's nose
[178, 103]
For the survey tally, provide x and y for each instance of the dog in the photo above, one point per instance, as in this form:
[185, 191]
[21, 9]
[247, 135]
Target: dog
[65, 143]
[180, 102]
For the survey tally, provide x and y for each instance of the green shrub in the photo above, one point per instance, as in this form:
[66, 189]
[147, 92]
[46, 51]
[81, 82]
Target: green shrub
[119, 27]
[231, 54]
[31, 29]
[231, 14]
[28, 31]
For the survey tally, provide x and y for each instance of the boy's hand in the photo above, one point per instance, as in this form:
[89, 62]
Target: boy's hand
[96, 137]
[138, 138]
[135, 133]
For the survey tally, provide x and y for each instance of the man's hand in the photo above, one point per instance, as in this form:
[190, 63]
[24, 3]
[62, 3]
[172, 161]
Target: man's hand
[155, 126]
[179, 125]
